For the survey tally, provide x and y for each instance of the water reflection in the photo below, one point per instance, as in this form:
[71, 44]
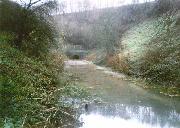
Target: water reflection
[127, 105]
[116, 116]
[99, 121]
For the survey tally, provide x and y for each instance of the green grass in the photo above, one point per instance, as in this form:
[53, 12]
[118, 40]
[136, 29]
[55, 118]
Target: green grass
[136, 38]
[30, 90]
[24, 83]
[152, 48]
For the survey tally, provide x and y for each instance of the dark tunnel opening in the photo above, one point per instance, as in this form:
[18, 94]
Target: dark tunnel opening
[76, 57]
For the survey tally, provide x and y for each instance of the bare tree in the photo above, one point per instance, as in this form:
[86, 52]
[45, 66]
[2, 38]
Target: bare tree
[135, 1]
[62, 7]
[86, 5]
[30, 3]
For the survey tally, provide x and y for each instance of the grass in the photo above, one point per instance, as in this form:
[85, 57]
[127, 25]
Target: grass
[30, 90]
[151, 52]
[172, 91]
[136, 38]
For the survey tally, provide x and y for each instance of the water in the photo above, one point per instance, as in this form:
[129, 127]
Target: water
[126, 104]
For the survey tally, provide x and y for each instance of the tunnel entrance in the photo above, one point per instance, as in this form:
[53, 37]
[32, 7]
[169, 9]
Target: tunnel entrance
[76, 54]
[76, 57]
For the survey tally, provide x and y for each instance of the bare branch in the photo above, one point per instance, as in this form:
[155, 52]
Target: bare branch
[31, 4]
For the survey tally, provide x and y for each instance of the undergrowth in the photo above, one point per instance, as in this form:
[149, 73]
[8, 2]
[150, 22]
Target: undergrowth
[151, 52]
[30, 91]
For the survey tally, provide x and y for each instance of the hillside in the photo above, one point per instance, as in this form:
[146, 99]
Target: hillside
[152, 48]
[89, 28]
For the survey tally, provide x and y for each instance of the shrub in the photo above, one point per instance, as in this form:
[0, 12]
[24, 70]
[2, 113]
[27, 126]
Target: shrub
[119, 62]
[160, 62]
[56, 61]
[154, 49]
[28, 71]
[32, 27]
[27, 88]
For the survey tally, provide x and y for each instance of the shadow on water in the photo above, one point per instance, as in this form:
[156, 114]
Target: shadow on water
[126, 105]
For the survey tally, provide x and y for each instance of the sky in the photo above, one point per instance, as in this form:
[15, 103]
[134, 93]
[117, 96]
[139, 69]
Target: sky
[77, 5]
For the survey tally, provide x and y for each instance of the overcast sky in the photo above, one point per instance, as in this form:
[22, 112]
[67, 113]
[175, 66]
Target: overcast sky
[76, 5]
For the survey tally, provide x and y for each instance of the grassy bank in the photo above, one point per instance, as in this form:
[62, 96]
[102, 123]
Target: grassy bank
[32, 81]
[31, 89]
[151, 52]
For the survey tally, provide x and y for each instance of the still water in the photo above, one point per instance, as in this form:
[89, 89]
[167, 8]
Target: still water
[125, 105]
